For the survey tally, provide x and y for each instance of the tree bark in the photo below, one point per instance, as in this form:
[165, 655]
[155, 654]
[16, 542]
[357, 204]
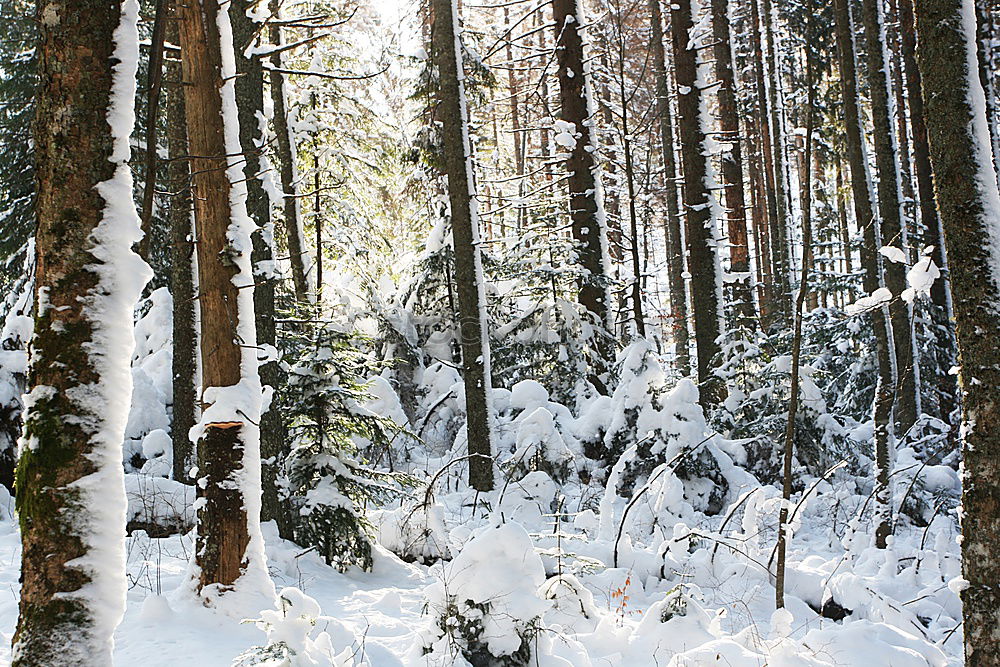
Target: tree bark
[182, 278]
[291, 215]
[940, 294]
[69, 480]
[250, 103]
[468, 261]
[969, 206]
[223, 533]
[672, 225]
[864, 213]
[701, 241]
[732, 167]
[585, 210]
[780, 260]
[893, 233]
[153, 91]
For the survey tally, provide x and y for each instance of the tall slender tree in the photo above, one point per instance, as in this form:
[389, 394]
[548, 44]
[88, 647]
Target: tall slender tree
[473, 327]
[69, 481]
[864, 213]
[228, 447]
[907, 404]
[586, 213]
[702, 244]
[182, 279]
[732, 166]
[965, 188]
[672, 225]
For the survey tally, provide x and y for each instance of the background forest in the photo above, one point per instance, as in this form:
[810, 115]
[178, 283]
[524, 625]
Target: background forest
[500, 333]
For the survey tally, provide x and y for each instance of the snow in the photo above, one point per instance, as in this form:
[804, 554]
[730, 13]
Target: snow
[893, 254]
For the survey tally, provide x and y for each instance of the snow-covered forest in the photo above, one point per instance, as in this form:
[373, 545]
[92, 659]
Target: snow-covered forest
[500, 333]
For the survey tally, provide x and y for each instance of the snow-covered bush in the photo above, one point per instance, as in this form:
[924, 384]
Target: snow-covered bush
[293, 639]
[485, 606]
[648, 425]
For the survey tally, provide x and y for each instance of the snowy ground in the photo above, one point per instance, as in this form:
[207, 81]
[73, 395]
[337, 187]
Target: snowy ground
[721, 601]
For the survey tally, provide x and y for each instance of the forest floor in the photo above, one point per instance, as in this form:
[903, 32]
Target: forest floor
[904, 605]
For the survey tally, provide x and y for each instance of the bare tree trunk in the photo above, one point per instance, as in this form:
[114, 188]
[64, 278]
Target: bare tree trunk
[781, 261]
[223, 530]
[291, 216]
[864, 212]
[940, 294]
[588, 230]
[152, 123]
[969, 205]
[672, 225]
[732, 167]
[704, 261]
[468, 262]
[69, 479]
[182, 286]
[893, 233]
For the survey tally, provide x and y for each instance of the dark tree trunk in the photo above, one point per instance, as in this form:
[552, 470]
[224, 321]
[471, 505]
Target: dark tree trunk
[781, 262]
[297, 253]
[152, 122]
[864, 213]
[69, 480]
[250, 102]
[893, 233]
[946, 382]
[223, 534]
[468, 262]
[182, 286]
[588, 231]
[969, 205]
[701, 242]
[672, 225]
[732, 167]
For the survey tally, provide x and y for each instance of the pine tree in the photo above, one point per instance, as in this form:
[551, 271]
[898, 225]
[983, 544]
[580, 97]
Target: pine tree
[965, 188]
[69, 482]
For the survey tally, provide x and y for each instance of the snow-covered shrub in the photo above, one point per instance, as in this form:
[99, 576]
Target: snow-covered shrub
[414, 533]
[653, 426]
[485, 607]
[16, 326]
[148, 447]
[293, 639]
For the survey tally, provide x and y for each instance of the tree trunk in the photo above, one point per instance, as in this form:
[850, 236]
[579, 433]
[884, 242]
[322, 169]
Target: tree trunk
[732, 168]
[781, 263]
[893, 233]
[69, 480]
[153, 91]
[773, 287]
[940, 295]
[250, 103]
[672, 225]
[702, 245]
[585, 208]
[465, 232]
[291, 215]
[223, 519]
[182, 285]
[864, 207]
[969, 205]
